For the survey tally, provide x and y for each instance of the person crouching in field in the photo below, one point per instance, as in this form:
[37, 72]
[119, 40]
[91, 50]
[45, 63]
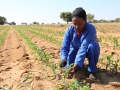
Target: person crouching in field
[79, 43]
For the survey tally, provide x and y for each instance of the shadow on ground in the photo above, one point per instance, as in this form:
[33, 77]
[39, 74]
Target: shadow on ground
[104, 77]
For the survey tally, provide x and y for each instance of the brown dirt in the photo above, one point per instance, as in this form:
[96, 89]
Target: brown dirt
[16, 61]
[105, 79]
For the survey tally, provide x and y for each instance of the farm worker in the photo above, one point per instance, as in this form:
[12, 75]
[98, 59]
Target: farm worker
[79, 43]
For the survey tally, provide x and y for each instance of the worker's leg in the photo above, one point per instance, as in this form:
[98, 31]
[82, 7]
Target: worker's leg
[93, 55]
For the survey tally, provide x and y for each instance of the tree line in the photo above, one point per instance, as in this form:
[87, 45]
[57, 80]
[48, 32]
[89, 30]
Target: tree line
[3, 21]
[66, 16]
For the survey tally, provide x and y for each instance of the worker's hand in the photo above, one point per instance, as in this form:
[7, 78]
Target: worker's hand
[72, 72]
[63, 63]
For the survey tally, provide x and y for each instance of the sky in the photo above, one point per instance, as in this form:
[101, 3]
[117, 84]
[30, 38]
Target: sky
[48, 11]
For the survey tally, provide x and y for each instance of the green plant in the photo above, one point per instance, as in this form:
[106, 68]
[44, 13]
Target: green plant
[66, 72]
[3, 35]
[115, 41]
[111, 64]
[3, 87]
[101, 60]
[77, 85]
[25, 79]
[101, 39]
[110, 61]
[115, 65]
[73, 85]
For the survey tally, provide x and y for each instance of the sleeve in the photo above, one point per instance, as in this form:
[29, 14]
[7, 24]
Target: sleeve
[65, 44]
[81, 54]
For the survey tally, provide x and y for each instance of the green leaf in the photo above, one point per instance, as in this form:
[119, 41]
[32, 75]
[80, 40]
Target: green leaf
[77, 83]
[2, 87]
[107, 66]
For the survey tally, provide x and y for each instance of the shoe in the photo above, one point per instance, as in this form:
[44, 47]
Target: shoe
[92, 75]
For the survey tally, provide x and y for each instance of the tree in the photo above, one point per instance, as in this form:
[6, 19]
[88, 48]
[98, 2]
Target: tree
[117, 20]
[12, 23]
[95, 21]
[110, 21]
[103, 21]
[66, 16]
[24, 23]
[2, 20]
[90, 17]
[35, 22]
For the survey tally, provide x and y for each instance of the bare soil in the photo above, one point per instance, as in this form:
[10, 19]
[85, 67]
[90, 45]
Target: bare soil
[17, 61]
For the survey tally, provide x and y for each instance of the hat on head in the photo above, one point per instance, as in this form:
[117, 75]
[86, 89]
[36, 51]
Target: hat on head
[79, 12]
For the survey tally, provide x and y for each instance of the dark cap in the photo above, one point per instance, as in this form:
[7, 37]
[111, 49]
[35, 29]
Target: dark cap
[79, 12]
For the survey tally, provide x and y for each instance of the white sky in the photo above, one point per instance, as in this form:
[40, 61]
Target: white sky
[48, 11]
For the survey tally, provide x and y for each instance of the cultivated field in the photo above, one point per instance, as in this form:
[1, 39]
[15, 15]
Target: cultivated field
[29, 58]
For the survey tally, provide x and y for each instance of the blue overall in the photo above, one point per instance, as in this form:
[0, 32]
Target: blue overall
[75, 49]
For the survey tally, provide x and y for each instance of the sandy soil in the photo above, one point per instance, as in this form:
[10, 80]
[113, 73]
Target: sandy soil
[17, 61]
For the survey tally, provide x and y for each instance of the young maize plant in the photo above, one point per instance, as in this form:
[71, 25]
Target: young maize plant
[41, 55]
[21, 84]
[115, 42]
[101, 60]
[111, 64]
[110, 61]
[71, 85]
[44, 36]
[115, 66]
[2, 36]
[47, 31]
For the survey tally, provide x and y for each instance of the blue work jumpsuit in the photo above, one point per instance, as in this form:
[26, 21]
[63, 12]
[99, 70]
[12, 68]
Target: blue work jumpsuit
[75, 49]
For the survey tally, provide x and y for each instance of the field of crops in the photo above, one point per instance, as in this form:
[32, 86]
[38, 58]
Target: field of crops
[29, 58]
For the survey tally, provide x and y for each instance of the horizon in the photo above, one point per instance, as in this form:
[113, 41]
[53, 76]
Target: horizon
[29, 11]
